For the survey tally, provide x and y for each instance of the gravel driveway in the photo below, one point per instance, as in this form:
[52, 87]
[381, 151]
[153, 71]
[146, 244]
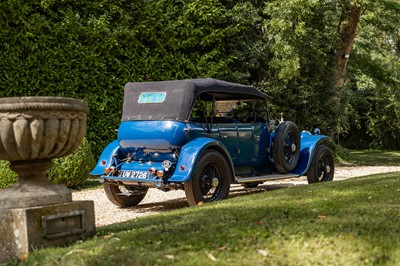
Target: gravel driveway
[157, 201]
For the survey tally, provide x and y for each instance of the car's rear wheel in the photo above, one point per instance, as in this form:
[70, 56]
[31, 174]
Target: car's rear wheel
[124, 196]
[211, 180]
[286, 147]
[322, 167]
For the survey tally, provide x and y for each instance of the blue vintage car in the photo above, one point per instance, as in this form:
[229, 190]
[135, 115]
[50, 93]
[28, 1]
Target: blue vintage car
[202, 135]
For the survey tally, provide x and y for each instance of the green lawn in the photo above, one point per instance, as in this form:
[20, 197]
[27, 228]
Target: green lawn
[351, 222]
[376, 158]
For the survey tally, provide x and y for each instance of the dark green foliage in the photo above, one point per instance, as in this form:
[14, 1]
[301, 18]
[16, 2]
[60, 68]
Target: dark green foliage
[90, 49]
[248, 48]
[374, 80]
[74, 169]
[7, 176]
[301, 37]
[341, 154]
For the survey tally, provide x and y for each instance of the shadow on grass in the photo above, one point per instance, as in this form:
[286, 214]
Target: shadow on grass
[376, 158]
[351, 222]
[360, 214]
[175, 204]
[161, 206]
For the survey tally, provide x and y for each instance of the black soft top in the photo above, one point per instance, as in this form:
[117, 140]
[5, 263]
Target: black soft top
[180, 96]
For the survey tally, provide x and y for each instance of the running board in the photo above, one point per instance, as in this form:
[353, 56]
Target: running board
[265, 178]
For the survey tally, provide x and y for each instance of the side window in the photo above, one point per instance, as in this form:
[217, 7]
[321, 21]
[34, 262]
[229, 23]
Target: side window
[248, 112]
[223, 112]
[201, 111]
[207, 112]
[224, 108]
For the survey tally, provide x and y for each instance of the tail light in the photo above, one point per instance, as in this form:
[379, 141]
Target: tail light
[160, 173]
[153, 171]
[110, 169]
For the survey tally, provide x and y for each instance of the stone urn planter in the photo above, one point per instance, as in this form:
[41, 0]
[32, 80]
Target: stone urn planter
[36, 213]
[34, 130]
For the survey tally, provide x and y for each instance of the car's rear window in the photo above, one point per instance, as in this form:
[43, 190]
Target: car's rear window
[152, 97]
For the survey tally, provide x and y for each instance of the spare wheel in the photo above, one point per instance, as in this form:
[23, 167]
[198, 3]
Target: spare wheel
[286, 147]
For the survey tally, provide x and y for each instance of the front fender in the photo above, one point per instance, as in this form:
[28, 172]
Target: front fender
[308, 146]
[106, 158]
[190, 154]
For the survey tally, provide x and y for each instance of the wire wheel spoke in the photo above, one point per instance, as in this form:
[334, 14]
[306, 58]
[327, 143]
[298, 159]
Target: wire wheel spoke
[323, 168]
[210, 182]
[289, 149]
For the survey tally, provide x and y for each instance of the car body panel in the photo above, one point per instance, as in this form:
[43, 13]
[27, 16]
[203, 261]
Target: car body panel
[190, 154]
[161, 135]
[308, 145]
[106, 158]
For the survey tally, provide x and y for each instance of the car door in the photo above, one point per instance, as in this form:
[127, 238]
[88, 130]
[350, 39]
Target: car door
[260, 141]
[245, 143]
[228, 135]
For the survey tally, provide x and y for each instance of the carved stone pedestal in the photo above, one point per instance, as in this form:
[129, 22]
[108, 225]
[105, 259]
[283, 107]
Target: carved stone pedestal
[36, 213]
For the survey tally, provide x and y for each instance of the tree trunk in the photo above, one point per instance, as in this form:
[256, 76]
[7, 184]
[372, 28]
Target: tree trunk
[346, 34]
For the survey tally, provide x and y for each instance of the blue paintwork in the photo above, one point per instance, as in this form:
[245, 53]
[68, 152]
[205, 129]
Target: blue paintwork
[152, 134]
[308, 145]
[107, 156]
[190, 153]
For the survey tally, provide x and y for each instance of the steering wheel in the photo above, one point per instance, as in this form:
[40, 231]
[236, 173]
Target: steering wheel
[244, 114]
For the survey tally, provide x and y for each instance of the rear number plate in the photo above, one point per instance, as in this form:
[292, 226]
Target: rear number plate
[134, 174]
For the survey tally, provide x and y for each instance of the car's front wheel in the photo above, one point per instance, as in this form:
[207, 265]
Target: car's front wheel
[124, 196]
[322, 167]
[211, 180]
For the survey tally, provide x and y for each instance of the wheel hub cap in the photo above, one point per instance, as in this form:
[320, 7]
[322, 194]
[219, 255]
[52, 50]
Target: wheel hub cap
[327, 169]
[293, 147]
[214, 182]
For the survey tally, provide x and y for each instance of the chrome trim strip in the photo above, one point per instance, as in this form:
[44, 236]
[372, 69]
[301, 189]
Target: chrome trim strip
[265, 178]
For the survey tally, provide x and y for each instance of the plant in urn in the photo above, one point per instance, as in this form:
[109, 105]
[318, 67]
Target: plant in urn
[35, 212]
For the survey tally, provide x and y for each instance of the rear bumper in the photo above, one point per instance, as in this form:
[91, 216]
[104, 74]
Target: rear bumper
[120, 179]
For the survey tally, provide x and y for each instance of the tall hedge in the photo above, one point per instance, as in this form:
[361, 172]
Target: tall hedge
[90, 49]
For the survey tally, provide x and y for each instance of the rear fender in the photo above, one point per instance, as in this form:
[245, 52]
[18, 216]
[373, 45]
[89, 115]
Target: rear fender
[190, 154]
[106, 158]
[308, 145]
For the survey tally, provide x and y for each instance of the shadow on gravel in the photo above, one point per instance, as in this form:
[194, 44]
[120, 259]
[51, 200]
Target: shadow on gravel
[161, 206]
[174, 204]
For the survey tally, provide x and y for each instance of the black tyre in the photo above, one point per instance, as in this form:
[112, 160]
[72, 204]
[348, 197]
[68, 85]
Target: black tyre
[211, 180]
[125, 196]
[286, 147]
[322, 167]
